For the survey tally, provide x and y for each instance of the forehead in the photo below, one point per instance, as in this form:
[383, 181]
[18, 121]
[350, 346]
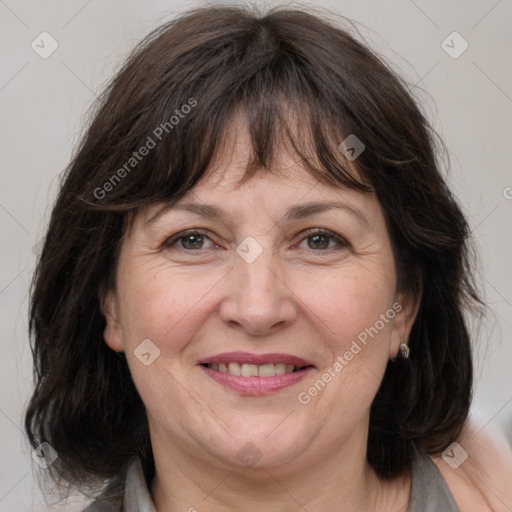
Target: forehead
[228, 168]
[290, 194]
[287, 186]
[287, 175]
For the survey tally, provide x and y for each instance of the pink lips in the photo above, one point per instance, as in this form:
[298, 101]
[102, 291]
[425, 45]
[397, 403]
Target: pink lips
[256, 385]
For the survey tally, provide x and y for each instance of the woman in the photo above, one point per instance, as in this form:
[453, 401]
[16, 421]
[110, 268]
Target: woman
[253, 286]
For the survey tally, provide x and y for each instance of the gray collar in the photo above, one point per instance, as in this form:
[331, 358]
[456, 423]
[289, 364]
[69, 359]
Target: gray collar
[429, 492]
[136, 492]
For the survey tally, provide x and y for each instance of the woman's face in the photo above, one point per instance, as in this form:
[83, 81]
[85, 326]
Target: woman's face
[258, 281]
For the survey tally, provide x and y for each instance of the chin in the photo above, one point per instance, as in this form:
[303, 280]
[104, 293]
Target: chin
[263, 446]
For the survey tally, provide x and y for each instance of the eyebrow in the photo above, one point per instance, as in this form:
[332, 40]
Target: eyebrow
[296, 212]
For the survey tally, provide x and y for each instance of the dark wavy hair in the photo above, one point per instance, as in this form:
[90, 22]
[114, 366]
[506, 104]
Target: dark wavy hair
[152, 137]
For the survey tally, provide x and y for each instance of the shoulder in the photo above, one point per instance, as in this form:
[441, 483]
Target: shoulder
[477, 469]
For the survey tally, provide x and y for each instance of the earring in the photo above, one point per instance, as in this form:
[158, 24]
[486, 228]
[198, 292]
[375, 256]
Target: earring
[404, 350]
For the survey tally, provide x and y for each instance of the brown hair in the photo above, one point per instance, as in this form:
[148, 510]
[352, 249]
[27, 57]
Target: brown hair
[175, 96]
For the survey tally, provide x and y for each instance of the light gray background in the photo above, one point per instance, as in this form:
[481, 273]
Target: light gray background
[43, 101]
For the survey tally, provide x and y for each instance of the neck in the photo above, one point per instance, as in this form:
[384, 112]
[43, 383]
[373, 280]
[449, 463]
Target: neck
[340, 479]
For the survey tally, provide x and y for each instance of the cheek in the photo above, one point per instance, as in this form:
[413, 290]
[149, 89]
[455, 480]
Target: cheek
[354, 316]
[163, 304]
[167, 308]
[347, 302]
[353, 311]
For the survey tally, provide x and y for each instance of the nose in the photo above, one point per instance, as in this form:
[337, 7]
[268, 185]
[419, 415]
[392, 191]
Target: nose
[258, 299]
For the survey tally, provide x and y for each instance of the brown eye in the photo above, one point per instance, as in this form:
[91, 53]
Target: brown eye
[318, 239]
[192, 240]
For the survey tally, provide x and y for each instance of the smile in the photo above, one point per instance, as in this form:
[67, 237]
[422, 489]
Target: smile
[256, 374]
[254, 370]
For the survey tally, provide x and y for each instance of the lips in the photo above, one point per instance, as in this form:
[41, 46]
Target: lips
[256, 374]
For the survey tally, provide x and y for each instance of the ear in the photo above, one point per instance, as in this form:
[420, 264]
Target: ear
[406, 306]
[113, 332]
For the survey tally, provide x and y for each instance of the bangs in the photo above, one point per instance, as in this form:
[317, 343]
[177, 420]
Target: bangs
[293, 126]
[177, 131]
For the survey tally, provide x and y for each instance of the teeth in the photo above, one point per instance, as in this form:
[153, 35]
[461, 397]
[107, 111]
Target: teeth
[253, 370]
[235, 369]
[266, 370]
[249, 370]
[280, 368]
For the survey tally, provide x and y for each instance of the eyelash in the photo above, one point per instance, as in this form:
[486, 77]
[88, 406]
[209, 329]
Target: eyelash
[171, 241]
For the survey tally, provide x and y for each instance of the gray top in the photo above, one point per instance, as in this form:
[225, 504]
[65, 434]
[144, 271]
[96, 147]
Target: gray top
[429, 491]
